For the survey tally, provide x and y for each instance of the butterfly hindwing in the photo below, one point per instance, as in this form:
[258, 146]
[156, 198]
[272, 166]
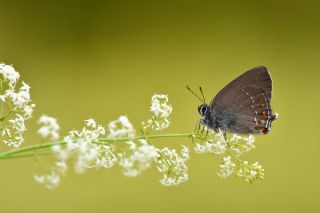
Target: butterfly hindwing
[244, 104]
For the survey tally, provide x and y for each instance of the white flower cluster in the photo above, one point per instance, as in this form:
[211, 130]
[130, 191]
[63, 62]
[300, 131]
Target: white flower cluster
[87, 148]
[161, 109]
[87, 154]
[217, 144]
[10, 75]
[83, 147]
[248, 172]
[14, 101]
[121, 128]
[138, 158]
[240, 144]
[251, 172]
[173, 166]
[140, 154]
[53, 178]
[49, 128]
[226, 167]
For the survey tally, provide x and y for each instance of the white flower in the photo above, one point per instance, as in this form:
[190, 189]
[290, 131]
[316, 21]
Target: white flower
[241, 144]
[19, 99]
[101, 130]
[51, 180]
[14, 142]
[121, 128]
[91, 123]
[217, 148]
[139, 158]
[14, 132]
[106, 157]
[251, 172]
[18, 103]
[132, 145]
[162, 109]
[160, 106]
[61, 166]
[173, 166]
[9, 74]
[81, 146]
[3, 98]
[28, 110]
[18, 124]
[227, 167]
[49, 128]
[250, 140]
[60, 152]
[215, 144]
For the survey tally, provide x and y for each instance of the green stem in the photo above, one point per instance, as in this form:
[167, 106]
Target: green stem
[17, 152]
[234, 156]
[29, 155]
[177, 135]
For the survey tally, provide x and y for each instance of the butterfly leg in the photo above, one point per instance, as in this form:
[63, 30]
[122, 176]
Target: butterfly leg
[196, 127]
[196, 130]
[207, 132]
[225, 136]
[202, 130]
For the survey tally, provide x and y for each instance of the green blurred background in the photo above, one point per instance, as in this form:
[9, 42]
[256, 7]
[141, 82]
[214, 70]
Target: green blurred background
[102, 59]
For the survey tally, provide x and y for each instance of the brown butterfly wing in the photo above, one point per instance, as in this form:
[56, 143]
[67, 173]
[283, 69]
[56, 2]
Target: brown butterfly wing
[245, 103]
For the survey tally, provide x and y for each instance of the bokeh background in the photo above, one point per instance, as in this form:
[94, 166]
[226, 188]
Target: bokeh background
[103, 59]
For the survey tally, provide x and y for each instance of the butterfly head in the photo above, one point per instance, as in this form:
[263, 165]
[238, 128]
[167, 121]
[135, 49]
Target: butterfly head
[203, 109]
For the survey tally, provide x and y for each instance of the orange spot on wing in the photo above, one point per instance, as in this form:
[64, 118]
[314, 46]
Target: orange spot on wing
[263, 130]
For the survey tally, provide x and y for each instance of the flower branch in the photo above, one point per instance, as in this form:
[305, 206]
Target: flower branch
[96, 146]
[101, 141]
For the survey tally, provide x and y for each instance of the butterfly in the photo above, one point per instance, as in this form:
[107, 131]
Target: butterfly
[242, 106]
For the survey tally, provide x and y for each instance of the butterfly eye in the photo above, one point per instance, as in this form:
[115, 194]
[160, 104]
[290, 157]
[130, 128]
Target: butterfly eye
[203, 109]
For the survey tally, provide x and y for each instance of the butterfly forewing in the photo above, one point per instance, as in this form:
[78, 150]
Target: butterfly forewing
[245, 103]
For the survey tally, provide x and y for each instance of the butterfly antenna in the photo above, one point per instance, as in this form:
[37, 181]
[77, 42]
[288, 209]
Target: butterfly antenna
[194, 93]
[204, 100]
